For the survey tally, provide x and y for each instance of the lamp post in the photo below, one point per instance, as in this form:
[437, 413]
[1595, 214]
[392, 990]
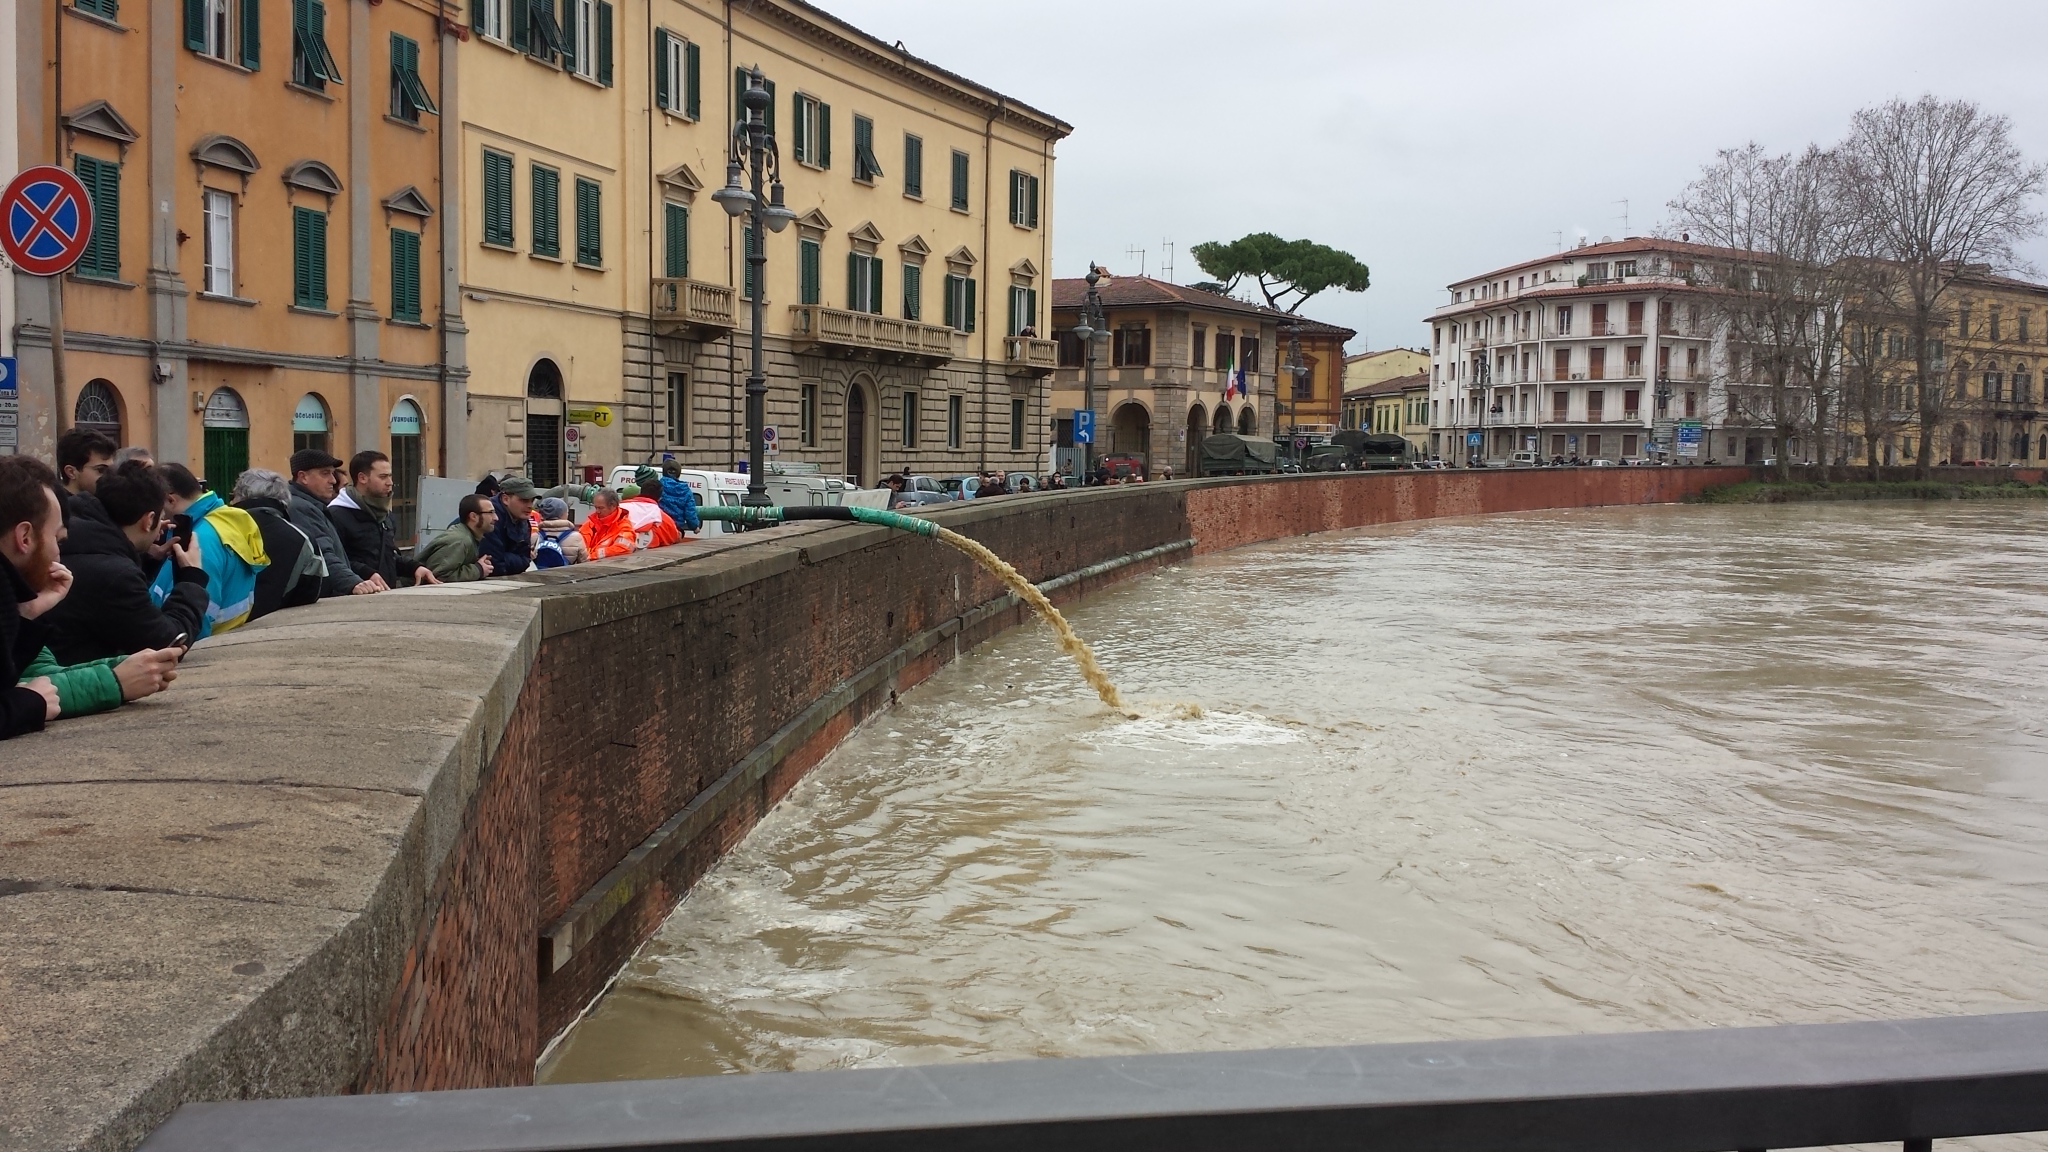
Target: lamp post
[1297, 375]
[754, 152]
[1091, 327]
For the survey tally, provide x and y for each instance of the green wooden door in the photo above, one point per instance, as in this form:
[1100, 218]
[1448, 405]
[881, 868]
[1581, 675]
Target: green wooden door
[227, 457]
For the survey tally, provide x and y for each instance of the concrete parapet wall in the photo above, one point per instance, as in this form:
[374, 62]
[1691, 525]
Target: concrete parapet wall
[398, 842]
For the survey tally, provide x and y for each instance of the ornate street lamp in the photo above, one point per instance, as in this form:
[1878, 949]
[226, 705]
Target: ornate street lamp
[1297, 375]
[754, 152]
[1091, 327]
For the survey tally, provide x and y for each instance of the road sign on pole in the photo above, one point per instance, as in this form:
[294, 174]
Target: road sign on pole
[45, 220]
[769, 440]
[1084, 426]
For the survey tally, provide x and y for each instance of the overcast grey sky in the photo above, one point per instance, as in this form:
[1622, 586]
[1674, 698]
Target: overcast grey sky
[1436, 141]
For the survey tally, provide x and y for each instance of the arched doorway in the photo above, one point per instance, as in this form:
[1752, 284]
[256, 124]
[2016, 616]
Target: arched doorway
[544, 423]
[310, 425]
[1247, 421]
[98, 410]
[408, 455]
[1222, 423]
[1198, 426]
[226, 424]
[1130, 433]
[860, 444]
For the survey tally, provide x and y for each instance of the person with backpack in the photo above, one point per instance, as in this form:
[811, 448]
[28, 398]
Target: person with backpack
[558, 542]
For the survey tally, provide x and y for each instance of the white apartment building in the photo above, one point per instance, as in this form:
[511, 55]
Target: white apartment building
[1605, 351]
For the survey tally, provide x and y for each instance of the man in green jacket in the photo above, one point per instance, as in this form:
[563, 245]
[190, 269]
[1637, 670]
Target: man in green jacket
[453, 556]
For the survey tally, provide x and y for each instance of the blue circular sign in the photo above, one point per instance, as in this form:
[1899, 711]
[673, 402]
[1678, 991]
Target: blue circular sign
[48, 220]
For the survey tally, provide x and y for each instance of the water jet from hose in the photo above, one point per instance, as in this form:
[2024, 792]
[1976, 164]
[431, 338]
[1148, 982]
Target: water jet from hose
[1070, 642]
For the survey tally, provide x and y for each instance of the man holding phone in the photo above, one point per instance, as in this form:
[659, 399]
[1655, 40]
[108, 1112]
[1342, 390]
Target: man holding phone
[110, 611]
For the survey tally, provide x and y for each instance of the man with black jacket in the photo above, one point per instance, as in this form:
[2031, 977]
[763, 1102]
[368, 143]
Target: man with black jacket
[110, 611]
[314, 484]
[31, 583]
[362, 521]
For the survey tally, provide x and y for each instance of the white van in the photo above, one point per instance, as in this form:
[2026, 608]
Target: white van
[1525, 460]
[725, 488]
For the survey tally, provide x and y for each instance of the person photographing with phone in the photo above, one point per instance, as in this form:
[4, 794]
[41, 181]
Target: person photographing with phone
[34, 687]
[117, 535]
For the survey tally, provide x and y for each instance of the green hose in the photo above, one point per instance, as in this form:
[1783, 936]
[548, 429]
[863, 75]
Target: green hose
[744, 514]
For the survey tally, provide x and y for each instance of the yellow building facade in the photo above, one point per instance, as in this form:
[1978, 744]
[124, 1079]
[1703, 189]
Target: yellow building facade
[1994, 344]
[264, 267]
[604, 303]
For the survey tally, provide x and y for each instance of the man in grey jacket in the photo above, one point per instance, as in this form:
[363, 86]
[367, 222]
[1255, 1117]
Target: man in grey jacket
[314, 483]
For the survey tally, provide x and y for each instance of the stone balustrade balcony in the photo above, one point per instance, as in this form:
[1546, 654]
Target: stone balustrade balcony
[838, 331]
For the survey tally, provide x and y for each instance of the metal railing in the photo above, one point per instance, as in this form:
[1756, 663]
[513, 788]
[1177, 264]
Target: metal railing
[1794, 1086]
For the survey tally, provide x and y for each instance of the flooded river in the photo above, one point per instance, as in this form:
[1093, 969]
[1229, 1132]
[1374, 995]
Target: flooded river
[1555, 772]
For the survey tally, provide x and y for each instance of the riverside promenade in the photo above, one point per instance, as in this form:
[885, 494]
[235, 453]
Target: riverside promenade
[398, 843]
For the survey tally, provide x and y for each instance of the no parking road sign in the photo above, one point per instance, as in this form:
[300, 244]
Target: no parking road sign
[47, 220]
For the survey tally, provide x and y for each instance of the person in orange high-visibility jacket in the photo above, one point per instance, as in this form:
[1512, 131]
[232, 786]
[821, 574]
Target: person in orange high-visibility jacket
[608, 530]
[652, 525]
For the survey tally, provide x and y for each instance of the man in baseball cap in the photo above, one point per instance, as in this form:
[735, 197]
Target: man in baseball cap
[509, 543]
[314, 483]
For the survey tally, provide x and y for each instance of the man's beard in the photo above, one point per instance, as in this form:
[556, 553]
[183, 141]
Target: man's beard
[35, 572]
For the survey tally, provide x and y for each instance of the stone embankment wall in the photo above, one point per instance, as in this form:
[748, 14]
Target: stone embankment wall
[399, 842]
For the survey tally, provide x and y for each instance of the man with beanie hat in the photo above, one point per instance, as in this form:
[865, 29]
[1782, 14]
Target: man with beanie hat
[676, 498]
[509, 543]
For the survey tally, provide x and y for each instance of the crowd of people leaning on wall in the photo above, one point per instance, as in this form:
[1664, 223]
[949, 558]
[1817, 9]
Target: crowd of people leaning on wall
[115, 564]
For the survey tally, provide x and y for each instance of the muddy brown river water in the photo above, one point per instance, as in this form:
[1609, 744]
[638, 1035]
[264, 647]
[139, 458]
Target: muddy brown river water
[1555, 772]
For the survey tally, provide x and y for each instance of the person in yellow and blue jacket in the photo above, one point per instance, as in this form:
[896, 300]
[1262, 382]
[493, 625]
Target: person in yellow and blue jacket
[230, 549]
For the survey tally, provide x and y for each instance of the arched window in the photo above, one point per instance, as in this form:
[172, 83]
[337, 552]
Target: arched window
[98, 409]
[1222, 423]
[226, 423]
[1247, 421]
[310, 426]
[544, 380]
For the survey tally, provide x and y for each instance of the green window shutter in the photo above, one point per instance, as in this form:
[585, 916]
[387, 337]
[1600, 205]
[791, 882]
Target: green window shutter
[568, 26]
[102, 181]
[875, 285]
[411, 96]
[969, 282]
[662, 85]
[589, 222]
[960, 180]
[1016, 216]
[497, 198]
[675, 240]
[547, 220]
[405, 275]
[319, 259]
[1031, 201]
[693, 104]
[476, 14]
[799, 112]
[195, 25]
[824, 135]
[913, 308]
[252, 34]
[913, 166]
[808, 272]
[1031, 308]
[309, 258]
[853, 280]
[522, 25]
[604, 43]
[951, 308]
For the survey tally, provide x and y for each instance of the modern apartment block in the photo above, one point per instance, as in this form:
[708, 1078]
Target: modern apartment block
[903, 307]
[262, 269]
[1605, 351]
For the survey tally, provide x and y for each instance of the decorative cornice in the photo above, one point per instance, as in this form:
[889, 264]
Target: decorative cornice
[409, 201]
[313, 176]
[98, 118]
[225, 152]
[682, 180]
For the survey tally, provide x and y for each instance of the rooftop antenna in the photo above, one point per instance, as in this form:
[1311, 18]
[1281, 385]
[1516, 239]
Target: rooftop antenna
[1560, 240]
[1166, 247]
[1624, 216]
[1136, 253]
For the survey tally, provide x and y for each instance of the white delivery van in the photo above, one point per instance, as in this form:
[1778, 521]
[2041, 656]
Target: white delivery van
[709, 488]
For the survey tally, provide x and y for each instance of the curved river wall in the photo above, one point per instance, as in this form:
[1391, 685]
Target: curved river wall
[398, 843]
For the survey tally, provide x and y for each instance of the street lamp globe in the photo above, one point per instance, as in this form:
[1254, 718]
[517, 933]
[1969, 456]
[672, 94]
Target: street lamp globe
[734, 198]
[776, 215]
[1084, 332]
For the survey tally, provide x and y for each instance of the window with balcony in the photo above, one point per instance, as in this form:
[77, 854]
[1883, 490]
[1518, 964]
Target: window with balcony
[1634, 360]
[809, 281]
[1248, 353]
[1023, 310]
[1596, 363]
[1623, 268]
[1226, 351]
[1596, 272]
[1560, 405]
[1561, 364]
[675, 239]
[1692, 406]
[960, 307]
[864, 282]
[1564, 320]
[1599, 320]
[1596, 404]
[913, 291]
[1631, 405]
[1635, 317]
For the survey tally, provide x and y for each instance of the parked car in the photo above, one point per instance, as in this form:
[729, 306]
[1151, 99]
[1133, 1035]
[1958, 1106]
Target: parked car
[1525, 460]
[961, 487]
[924, 490]
[1122, 467]
[1600, 462]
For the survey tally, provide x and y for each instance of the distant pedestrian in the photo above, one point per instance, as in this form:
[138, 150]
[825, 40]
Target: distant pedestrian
[293, 577]
[456, 555]
[678, 500]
